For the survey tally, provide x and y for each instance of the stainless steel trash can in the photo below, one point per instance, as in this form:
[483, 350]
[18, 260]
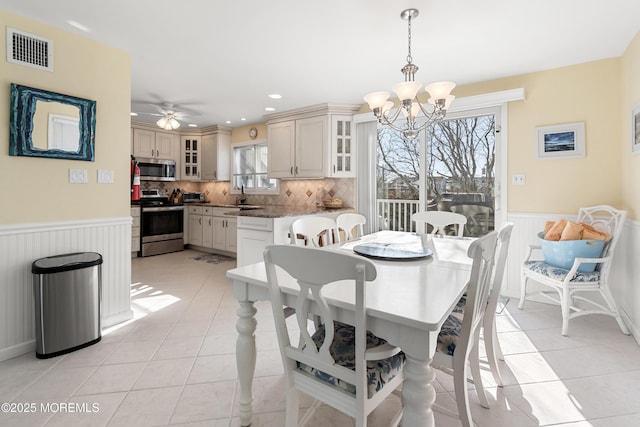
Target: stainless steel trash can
[67, 294]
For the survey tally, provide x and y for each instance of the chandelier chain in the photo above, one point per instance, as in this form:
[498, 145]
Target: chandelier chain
[409, 57]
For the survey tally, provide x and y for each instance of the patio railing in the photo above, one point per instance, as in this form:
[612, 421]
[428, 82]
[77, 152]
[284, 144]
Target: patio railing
[395, 214]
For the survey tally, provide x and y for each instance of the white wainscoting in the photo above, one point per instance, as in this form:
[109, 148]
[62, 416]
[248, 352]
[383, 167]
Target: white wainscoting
[20, 245]
[624, 276]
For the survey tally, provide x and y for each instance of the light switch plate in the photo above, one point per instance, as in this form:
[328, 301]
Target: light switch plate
[105, 176]
[77, 176]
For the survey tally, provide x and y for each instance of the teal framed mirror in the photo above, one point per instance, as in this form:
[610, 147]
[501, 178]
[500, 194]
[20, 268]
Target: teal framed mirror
[51, 125]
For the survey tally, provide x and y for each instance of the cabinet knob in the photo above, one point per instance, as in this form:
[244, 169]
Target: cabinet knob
[200, 220]
[291, 170]
[296, 170]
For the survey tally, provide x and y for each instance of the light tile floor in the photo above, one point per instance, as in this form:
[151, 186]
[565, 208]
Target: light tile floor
[175, 365]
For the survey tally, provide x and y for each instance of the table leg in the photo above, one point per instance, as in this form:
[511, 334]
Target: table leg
[418, 393]
[246, 358]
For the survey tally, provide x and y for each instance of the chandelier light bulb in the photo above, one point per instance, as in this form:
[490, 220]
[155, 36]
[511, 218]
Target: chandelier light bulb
[440, 90]
[407, 90]
[376, 99]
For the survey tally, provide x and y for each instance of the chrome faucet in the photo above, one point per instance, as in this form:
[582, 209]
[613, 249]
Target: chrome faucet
[242, 199]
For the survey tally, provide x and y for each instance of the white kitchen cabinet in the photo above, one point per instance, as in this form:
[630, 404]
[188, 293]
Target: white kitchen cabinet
[281, 141]
[196, 226]
[216, 157]
[225, 233]
[343, 156]
[191, 150]
[210, 228]
[297, 148]
[311, 143]
[135, 230]
[155, 145]
[254, 235]
[315, 142]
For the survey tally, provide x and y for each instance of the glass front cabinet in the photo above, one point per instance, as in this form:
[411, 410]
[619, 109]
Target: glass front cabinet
[191, 156]
[342, 147]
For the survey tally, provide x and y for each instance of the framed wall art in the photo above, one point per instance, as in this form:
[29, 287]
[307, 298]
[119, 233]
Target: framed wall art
[560, 141]
[635, 129]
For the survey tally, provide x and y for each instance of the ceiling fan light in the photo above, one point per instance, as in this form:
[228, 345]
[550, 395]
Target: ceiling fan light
[440, 90]
[407, 90]
[162, 122]
[376, 99]
[173, 123]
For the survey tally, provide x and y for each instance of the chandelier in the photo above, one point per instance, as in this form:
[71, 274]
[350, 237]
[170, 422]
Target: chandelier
[168, 122]
[407, 91]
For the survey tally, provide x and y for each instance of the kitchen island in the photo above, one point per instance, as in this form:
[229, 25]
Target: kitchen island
[258, 228]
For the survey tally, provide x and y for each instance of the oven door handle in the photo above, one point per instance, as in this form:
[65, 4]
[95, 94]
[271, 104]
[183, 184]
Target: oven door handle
[162, 208]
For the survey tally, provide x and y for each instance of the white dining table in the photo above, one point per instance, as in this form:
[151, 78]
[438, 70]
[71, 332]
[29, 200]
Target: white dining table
[406, 305]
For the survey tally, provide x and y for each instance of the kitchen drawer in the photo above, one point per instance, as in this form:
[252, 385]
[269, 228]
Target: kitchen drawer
[197, 210]
[206, 210]
[255, 223]
[136, 222]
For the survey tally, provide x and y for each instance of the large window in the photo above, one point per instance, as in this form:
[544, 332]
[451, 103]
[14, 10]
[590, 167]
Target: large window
[250, 170]
[449, 167]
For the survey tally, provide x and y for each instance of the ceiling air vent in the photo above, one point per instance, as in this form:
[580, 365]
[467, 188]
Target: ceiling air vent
[30, 50]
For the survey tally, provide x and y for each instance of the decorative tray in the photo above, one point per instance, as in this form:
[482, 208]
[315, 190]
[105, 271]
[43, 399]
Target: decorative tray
[392, 251]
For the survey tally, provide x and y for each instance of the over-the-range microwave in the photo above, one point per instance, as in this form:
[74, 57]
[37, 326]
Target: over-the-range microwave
[157, 169]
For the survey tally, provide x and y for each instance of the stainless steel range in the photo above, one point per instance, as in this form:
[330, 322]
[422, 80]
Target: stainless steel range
[161, 223]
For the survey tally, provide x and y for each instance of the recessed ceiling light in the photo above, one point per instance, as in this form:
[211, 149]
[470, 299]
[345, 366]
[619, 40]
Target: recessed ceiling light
[192, 125]
[269, 109]
[275, 96]
[228, 122]
[79, 26]
[134, 114]
[243, 119]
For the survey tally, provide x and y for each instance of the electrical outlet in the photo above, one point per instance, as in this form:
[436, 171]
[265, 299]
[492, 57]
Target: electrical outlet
[77, 176]
[105, 176]
[517, 179]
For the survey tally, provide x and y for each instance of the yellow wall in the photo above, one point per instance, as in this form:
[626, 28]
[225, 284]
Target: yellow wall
[630, 163]
[38, 189]
[588, 93]
[241, 133]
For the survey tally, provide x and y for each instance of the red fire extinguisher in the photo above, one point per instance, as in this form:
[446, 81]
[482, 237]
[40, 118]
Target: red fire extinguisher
[135, 186]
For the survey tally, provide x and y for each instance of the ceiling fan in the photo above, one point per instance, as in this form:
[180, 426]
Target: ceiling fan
[170, 117]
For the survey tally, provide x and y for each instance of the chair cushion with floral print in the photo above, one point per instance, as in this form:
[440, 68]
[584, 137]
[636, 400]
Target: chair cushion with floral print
[450, 331]
[379, 372]
[560, 274]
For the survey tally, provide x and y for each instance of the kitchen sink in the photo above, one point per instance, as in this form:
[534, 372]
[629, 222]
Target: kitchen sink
[242, 207]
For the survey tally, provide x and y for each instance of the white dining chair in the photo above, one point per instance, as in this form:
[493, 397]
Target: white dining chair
[441, 219]
[351, 224]
[457, 349]
[489, 332]
[572, 284]
[313, 231]
[341, 365]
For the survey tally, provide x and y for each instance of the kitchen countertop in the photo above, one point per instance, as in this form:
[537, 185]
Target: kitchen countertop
[275, 211]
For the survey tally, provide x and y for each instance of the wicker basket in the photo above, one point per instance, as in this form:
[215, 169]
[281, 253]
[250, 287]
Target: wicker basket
[332, 203]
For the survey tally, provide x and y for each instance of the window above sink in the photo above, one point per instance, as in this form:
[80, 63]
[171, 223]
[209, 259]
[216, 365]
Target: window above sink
[250, 169]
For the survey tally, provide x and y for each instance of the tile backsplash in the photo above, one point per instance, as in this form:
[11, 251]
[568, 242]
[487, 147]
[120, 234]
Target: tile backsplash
[304, 192]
